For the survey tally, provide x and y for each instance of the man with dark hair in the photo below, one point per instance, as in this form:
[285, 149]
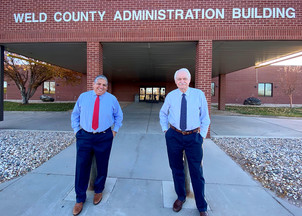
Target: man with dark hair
[92, 118]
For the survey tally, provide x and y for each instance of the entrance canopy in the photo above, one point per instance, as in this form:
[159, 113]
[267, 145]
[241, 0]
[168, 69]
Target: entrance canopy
[230, 56]
[156, 61]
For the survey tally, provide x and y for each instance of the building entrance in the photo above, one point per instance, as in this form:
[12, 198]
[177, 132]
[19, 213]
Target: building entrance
[152, 94]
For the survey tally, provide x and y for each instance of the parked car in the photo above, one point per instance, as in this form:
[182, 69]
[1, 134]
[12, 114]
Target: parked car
[252, 101]
[46, 98]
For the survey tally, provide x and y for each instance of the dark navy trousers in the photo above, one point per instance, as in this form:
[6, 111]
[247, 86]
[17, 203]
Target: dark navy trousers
[88, 144]
[192, 145]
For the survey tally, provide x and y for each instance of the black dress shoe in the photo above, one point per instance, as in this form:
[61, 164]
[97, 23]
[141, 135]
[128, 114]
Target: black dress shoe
[178, 205]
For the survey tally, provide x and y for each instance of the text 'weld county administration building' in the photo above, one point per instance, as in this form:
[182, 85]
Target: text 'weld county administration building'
[139, 45]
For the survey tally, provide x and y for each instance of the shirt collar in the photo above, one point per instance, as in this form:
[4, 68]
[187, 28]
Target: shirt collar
[187, 93]
[94, 94]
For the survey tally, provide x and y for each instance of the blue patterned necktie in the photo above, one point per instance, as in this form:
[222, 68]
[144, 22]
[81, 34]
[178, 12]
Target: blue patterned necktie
[183, 113]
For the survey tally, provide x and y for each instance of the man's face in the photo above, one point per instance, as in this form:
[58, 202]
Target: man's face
[182, 81]
[100, 86]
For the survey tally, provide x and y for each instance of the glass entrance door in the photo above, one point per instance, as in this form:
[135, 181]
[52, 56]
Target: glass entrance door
[152, 94]
[149, 94]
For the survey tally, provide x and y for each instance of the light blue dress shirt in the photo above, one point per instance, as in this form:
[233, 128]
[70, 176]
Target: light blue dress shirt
[110, 112]
[197, 111]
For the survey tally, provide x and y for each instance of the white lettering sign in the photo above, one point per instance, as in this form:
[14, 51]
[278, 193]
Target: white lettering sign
[162, 14]
[255, 13]
[170, 14]
[30, 17]
[79, 16]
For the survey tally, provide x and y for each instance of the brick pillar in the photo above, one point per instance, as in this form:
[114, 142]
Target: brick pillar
[222, 92]
[94, 68]
[1, 82]
[203, 70]
[94, 62]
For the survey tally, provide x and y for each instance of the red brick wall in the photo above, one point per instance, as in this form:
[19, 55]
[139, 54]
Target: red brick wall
[63, 92]
[151, 30]
[95, 32]
[203, 70]
[244, 83]
[222, 91]
[94, 62]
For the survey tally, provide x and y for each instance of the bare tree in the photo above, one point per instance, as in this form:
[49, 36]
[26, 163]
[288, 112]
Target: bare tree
[288, 80]
[29, 74]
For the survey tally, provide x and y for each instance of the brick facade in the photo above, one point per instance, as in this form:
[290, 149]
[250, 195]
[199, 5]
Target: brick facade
[63, 92]
[107, 27]
[94, 62]
[244, 83]
[142, 30]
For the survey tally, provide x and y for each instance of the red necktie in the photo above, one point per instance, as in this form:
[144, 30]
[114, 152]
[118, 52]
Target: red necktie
[95, 117]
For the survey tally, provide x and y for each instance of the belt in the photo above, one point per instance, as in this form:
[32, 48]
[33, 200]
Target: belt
[185, 132]
[94, 132]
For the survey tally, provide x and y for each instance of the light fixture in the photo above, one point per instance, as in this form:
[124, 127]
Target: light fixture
[278, 61]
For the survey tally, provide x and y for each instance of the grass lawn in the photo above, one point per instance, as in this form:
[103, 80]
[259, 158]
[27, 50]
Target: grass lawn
[47, 106]
[266, 111]
[246, 110]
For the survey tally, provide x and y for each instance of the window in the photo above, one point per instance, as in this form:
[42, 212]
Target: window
[49, 88]
[148, 94]
[153, 94]
[212, 89]
[5, 87]
[265, 89]
[162, 94]
[142, 94]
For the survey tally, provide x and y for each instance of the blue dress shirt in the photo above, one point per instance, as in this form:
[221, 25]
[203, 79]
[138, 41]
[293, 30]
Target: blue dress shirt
[197, 111]
[110, 112]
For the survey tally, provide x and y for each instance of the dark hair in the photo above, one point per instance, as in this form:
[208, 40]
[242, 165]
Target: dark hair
[101, 77]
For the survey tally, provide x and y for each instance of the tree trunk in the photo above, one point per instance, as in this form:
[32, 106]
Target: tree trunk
[291, 100]
[24, 98]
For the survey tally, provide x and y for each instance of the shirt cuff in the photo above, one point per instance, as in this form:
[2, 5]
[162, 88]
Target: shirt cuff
[164, 129]
[116, 128]
[75, 130]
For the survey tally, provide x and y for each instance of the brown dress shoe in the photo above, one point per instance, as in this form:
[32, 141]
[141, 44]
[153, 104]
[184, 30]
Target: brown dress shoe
[203, 213]
[77, 208]
[97, 198]
[178, 205]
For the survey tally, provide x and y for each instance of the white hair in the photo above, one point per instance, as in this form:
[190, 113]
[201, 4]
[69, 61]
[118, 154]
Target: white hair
[183, 69]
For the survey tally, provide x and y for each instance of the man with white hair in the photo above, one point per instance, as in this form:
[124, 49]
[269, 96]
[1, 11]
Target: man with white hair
[186, 111]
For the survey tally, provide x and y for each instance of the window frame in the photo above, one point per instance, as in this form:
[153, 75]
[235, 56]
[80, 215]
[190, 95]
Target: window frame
[212, 89]
[155, 93]
[5, 87]
[49, 87]
[265, 90]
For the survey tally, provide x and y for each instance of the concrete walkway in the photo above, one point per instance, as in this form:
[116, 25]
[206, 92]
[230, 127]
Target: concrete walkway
[140, 181]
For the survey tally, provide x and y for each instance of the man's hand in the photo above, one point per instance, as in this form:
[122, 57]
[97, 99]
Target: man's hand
[114, 133]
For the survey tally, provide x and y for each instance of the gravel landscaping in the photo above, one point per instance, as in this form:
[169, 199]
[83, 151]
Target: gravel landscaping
[275, 162]
[23, 151]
